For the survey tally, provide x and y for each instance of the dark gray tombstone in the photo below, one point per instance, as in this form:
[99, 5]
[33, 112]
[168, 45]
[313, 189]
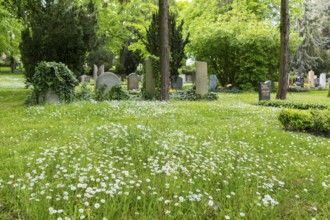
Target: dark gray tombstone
[316, 82]
[108, 79]
[177, 83]
[264, 90]
[213, 82]
[133, 81]
[85, 78]
[300, 82]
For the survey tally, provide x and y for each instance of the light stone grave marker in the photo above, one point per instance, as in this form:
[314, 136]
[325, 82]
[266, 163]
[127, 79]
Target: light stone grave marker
[323, 80]
[85, 78]
[108, 79]
[213, 82]
[133, 81]
[201, 78]
[311, 79]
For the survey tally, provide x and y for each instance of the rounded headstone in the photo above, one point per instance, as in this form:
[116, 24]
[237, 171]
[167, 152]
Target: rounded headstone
[108, 79]
[133, 81]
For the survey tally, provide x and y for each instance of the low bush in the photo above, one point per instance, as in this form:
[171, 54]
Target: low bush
[316, 121]
[292, 105]
[297, 89]
[55, 77]
[192, 96]
[116, 93]
[84, 92]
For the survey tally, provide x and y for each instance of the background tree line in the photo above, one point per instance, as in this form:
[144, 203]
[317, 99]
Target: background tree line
[239, 39]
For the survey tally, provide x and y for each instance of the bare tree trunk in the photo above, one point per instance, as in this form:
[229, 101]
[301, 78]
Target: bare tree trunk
[284, 54]
[164, 50]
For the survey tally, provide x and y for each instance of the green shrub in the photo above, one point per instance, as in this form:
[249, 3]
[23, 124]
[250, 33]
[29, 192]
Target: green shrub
[116, 93]
[297, 89]
[52, 76]
[192, 96]
[317, 121]
[84, 92]
[279, 104]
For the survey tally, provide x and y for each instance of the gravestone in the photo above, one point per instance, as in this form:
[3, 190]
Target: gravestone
[100, 71]
[188, 78]
[193, 76]
[201, 78]
[213, 82]
[177, 83]
[108, 79]
[183, 78]
[95, 70]
[133, 81]
[85, 78]
[323, 80]
[150, 81]
[300, 82]
[316, 81]
[264, 89]
[50, 98]
[311, 79]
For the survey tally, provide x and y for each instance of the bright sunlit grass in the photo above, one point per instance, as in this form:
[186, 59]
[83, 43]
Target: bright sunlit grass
[227, 159]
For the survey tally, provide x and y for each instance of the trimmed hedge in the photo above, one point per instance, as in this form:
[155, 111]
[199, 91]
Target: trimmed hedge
[315, 121]
[292, 105]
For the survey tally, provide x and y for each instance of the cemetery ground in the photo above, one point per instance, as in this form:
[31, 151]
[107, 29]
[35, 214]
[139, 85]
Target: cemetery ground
[224, 159]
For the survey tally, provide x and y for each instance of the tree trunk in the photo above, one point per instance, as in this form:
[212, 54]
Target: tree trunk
[284, 54]
[164, 50]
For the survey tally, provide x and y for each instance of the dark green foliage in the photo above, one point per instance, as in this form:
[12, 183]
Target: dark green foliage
[312, 121]
[292, 105]
[131, 60]
[192, 96]
[100, 56]
[116, 93]
[176, 42]
[56, 77]
[57, 31]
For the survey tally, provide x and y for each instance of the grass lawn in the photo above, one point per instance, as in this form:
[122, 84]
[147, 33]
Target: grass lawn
[226, 159]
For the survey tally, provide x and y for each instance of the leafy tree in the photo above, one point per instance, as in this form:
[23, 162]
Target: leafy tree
[10, 28]
[129, 59]
[176, 41]
[236, 54]
[100, 56]
[58, 31]
[308, 54]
